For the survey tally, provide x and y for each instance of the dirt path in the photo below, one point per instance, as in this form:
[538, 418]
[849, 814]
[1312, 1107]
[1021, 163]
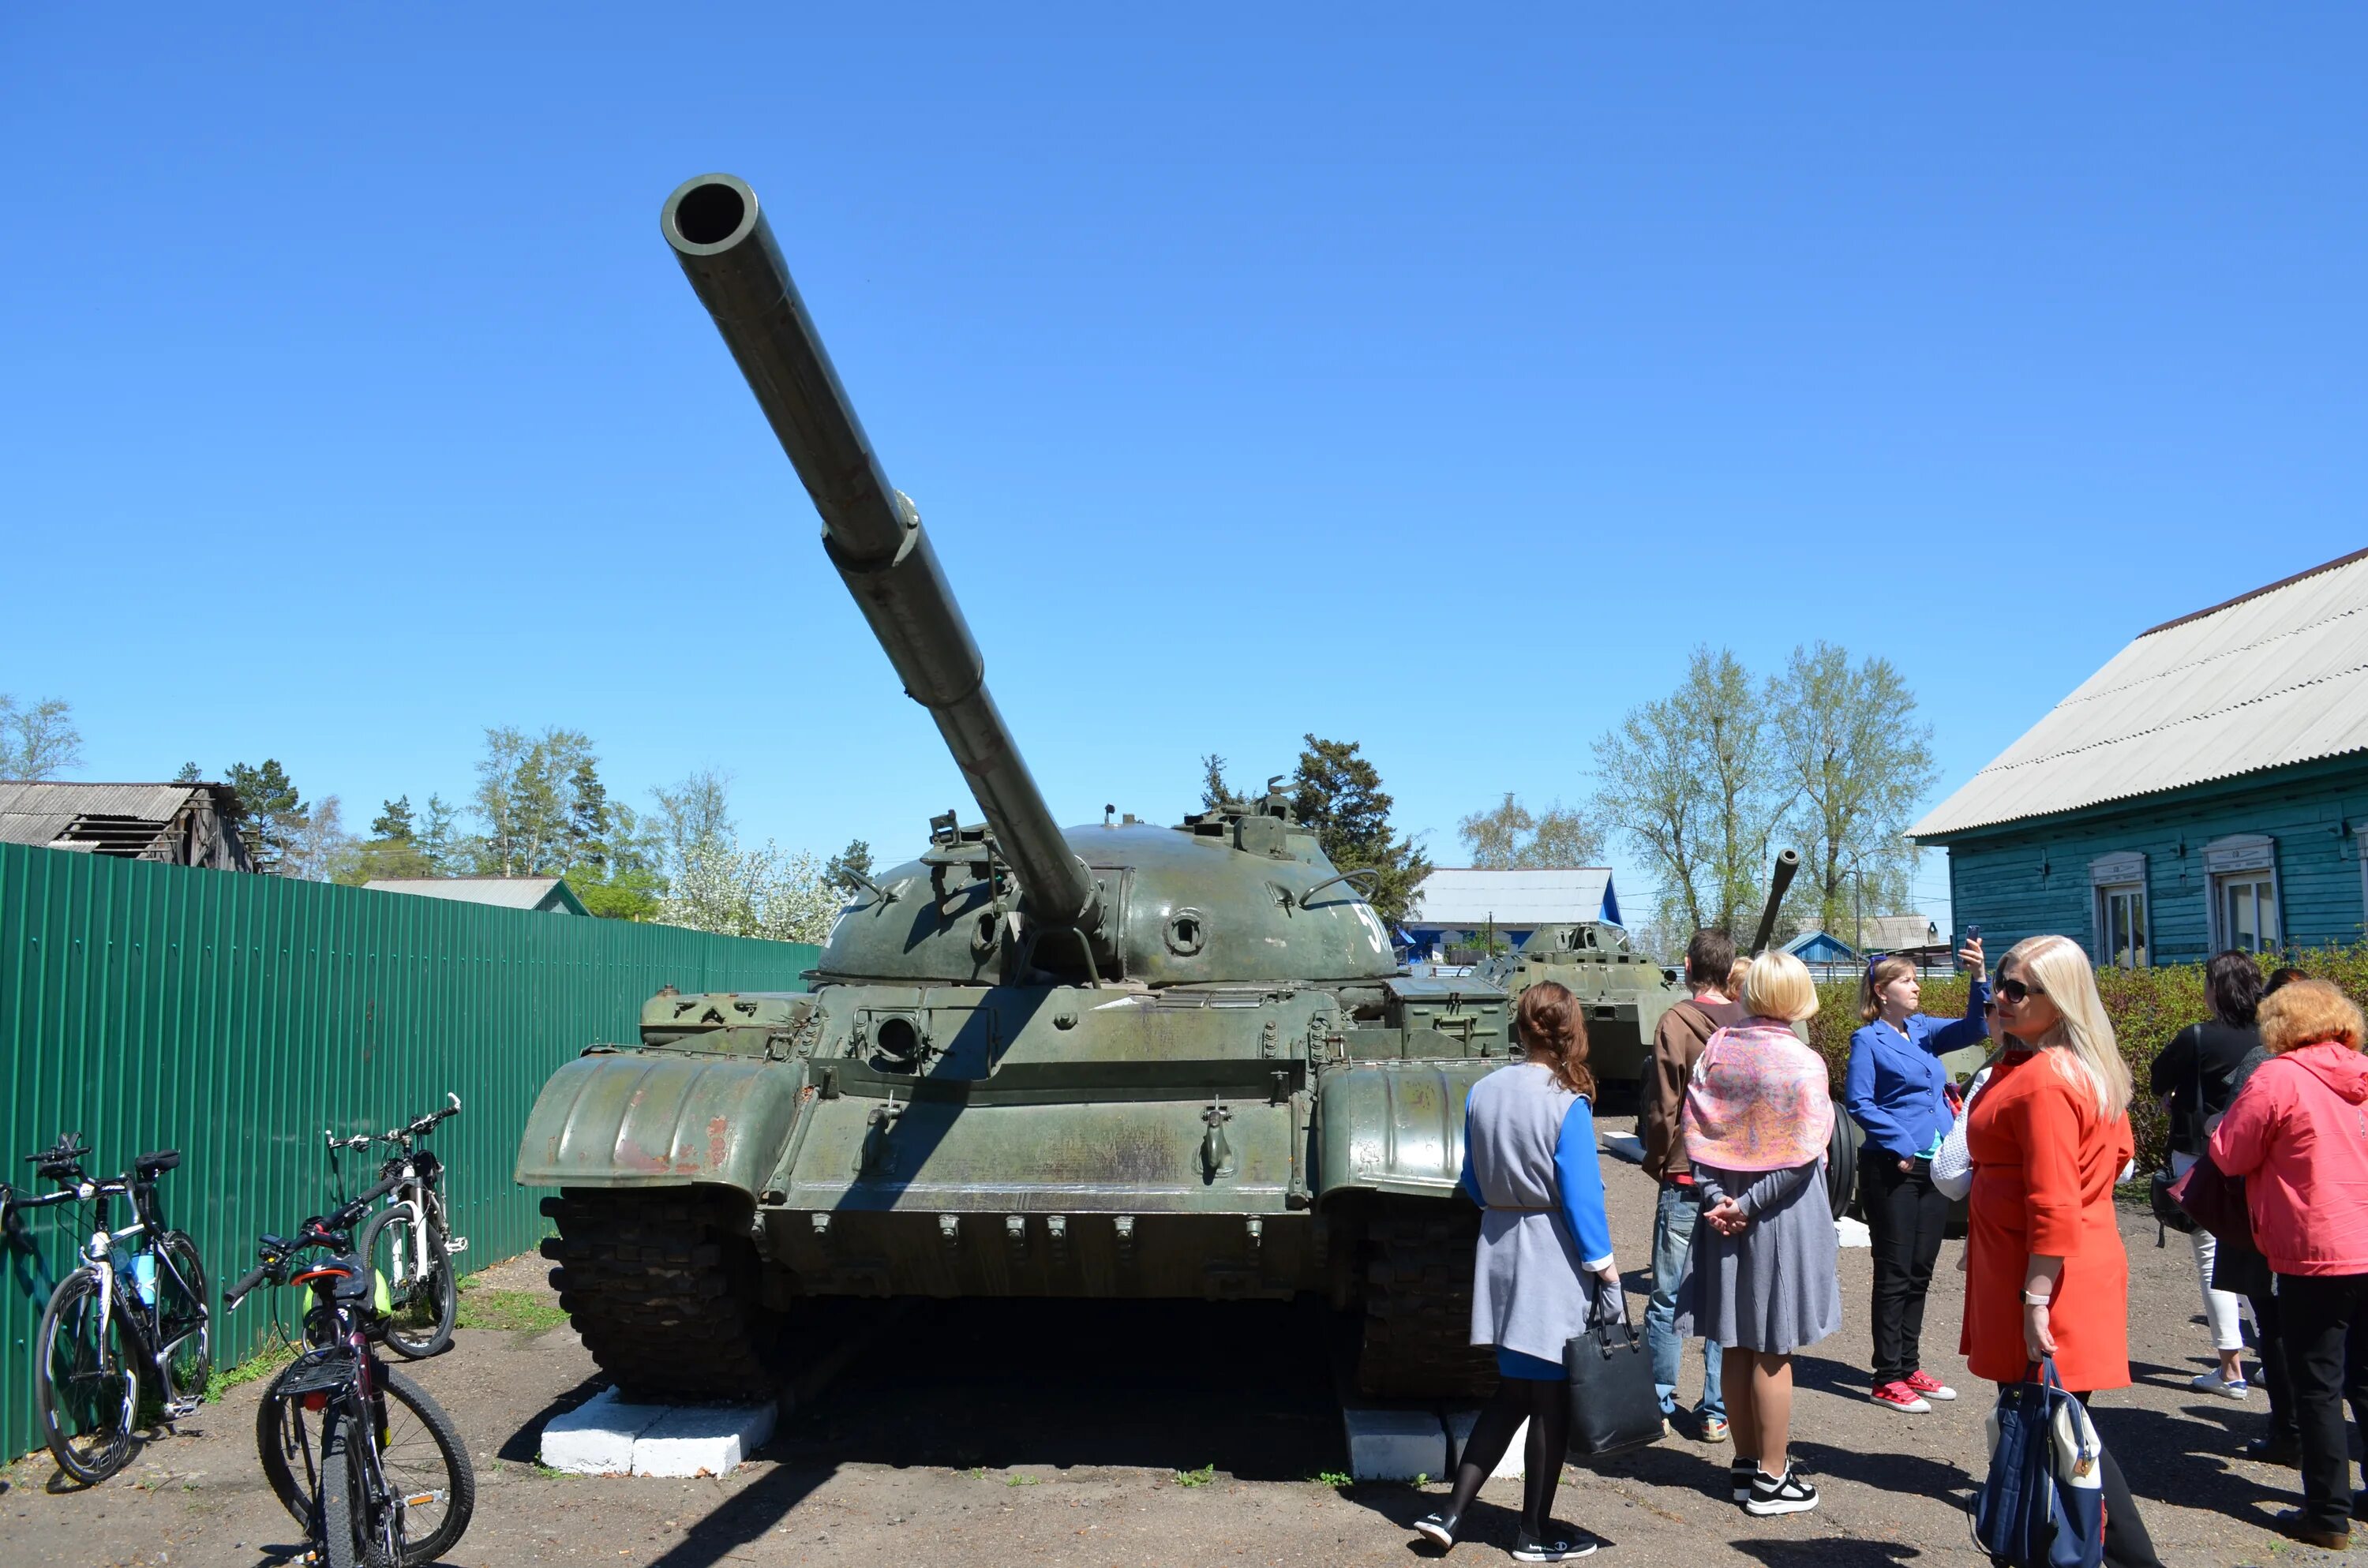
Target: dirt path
[1063, 1433]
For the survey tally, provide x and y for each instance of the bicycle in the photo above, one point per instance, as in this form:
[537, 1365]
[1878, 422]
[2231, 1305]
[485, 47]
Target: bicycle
[416, 1261]
[386, 1480]
[138, 1299]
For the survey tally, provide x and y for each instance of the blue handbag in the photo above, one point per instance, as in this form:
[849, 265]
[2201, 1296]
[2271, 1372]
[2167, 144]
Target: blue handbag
[2043, 1505]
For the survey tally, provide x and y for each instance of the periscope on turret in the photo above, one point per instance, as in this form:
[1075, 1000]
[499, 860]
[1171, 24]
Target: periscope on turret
[1115, 1060]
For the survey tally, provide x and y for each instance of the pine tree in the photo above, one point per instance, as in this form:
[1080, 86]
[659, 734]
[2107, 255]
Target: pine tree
[1339, 795]
[587, 817]
[850, 867]
[273, 811]
[394, 825]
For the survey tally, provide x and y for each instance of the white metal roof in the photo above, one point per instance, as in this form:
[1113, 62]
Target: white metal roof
[1468, 898]
[509, 893]
[2272, 677]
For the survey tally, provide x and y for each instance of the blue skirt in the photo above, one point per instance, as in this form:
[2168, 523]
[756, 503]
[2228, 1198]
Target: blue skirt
[1513, 1364]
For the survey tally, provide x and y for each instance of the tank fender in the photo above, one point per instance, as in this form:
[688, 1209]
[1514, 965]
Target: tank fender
[1393, 1127]
[650, 1119]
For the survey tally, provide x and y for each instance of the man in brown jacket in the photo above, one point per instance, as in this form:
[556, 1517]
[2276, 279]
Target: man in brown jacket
[1683, 1030]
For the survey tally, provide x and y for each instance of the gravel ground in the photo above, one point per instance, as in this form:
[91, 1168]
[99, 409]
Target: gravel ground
[1071, 1433]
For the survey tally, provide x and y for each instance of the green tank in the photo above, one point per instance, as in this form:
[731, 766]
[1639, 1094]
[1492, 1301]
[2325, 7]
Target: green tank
[1113, 1060]
[1624, 993]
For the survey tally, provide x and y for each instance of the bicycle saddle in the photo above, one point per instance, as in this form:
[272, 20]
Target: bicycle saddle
[158, 1163]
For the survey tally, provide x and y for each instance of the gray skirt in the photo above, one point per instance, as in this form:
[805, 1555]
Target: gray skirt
[1774, 1289]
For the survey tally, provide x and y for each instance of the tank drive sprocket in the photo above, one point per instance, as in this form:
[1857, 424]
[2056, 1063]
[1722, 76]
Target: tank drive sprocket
[1420, 1259]
[667, 1294]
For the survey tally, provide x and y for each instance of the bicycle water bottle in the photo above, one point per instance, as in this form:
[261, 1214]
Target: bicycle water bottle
[144, 1276]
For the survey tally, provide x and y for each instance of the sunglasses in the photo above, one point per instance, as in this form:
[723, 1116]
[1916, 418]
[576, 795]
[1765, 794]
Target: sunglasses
[2013, 991]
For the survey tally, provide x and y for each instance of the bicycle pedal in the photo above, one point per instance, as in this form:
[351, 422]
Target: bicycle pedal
[456, 1247]
[181, 1409]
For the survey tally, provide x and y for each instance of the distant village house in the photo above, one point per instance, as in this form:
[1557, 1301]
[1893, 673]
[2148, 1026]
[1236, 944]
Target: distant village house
[175, 824]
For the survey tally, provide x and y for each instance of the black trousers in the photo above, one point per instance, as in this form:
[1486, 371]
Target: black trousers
[2272, 1350]
[2127, 1544]
[1905, 1215]
[2328, 1364]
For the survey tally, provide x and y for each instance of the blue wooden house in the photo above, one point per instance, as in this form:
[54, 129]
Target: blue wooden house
[2207, 789]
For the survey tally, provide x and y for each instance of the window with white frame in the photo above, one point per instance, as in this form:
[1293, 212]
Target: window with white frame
[2242, 871]
[2118, 895]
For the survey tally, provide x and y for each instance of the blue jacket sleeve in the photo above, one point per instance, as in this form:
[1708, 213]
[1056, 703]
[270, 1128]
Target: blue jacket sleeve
[1882, 1129]
[1465, 1182]
[1578, 1180]
[1957, 1033]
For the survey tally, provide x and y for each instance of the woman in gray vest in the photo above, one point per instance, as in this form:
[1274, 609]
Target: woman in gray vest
[1529, 1161]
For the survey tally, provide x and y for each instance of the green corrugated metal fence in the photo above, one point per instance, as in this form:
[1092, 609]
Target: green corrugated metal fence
[233, 1017]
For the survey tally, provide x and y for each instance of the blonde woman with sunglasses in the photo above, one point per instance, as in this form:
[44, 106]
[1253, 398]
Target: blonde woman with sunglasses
[2049, 1136]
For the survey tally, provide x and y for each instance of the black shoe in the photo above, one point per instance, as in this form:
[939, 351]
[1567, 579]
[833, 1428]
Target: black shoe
[1739, 1472]
[2295, 1523]
[1528, 1549]
[2273, 1450]
[1439, 1529]
[1789, 1494]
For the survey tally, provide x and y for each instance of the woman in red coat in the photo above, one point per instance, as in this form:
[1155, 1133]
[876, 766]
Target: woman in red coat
[2045, 1275]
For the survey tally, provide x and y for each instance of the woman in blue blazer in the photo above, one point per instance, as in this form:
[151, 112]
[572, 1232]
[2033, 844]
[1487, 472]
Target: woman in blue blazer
[1899, 1094]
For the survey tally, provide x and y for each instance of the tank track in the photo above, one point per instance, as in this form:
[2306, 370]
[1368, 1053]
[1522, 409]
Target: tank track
[666, 1294]
[1419, 1256]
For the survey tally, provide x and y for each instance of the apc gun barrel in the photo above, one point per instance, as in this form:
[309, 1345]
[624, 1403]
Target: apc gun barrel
[871, 533]
[1788, 866]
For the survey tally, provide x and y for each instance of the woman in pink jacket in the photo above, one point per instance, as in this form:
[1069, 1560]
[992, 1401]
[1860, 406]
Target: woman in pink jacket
[2298, 1135]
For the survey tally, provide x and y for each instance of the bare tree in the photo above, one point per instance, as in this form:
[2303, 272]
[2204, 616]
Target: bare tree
[1510, 838]
[1857, 761]
[39, 742]
[1692, 782]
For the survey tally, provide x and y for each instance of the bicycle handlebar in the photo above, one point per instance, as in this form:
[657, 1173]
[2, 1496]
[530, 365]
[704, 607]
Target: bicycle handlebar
[239, 1292]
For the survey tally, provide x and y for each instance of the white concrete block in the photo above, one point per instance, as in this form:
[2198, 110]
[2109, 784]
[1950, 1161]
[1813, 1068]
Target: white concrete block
[597, 1437]
[1852, 1233]
[1394, 1445]
[1512, 1467]
[703, 1439]
[1624, 1146]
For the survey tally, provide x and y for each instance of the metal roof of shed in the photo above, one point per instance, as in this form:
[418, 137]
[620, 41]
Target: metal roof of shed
[1467, 897]
[2270, 679]
[551, 893]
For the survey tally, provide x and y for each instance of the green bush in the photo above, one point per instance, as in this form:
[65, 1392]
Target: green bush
[2147, 1007]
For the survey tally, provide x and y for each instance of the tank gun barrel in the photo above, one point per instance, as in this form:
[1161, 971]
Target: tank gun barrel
[871, 532]
[1788, 866]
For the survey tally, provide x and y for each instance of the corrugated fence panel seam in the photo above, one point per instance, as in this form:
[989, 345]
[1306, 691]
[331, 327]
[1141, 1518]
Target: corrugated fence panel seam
[234, 1016]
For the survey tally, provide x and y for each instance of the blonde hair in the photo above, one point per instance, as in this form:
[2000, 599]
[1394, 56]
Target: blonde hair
[2082, 1032]
[1779, 986]
[2308, 1012]
[1735, 973]
[1880, 973]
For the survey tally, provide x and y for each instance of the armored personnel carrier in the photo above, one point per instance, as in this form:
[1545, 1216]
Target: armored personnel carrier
[1625, 992]
[1110, 1061]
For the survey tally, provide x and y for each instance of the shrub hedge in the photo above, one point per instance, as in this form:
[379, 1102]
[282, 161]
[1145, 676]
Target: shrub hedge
[2147, 1007]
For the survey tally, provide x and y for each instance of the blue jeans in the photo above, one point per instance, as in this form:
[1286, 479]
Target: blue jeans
[1673, 1237]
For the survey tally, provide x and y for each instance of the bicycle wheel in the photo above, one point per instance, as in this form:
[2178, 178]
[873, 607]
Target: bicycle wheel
[184, 1327]
[422, 1303]
[420, 1453]
[341, 1529]
[84, 1386]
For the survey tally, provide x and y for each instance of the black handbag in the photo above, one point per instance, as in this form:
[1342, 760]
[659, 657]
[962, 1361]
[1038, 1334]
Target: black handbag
[1613, 1405]
[2213, 1201]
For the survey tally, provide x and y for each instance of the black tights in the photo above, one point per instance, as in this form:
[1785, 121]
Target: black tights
[1544, 1404]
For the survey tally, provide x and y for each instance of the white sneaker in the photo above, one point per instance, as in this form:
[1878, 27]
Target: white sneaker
[2211, 1382]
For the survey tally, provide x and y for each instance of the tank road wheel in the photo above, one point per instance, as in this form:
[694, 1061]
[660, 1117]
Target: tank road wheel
[666, 1292]
[1420, 1255]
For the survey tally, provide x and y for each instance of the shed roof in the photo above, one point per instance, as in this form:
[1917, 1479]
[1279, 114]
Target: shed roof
[1467, 897]
[2272, 677]
[39, 811]
[550, 894]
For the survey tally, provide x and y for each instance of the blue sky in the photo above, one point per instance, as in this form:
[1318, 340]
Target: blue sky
[1435, 386]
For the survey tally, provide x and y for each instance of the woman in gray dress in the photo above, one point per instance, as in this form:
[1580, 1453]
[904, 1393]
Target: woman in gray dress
[1529, 1161]
[1763, 1278]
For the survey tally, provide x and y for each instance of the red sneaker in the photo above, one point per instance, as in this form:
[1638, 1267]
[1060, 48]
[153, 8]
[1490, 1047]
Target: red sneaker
[1899, 1396]
[1928, 1385]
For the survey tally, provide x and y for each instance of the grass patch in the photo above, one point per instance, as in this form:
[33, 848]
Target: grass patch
[1018, 1480]
[220, 1382]
[515, 1312]
[1336, 1479]
[1200, 1477]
